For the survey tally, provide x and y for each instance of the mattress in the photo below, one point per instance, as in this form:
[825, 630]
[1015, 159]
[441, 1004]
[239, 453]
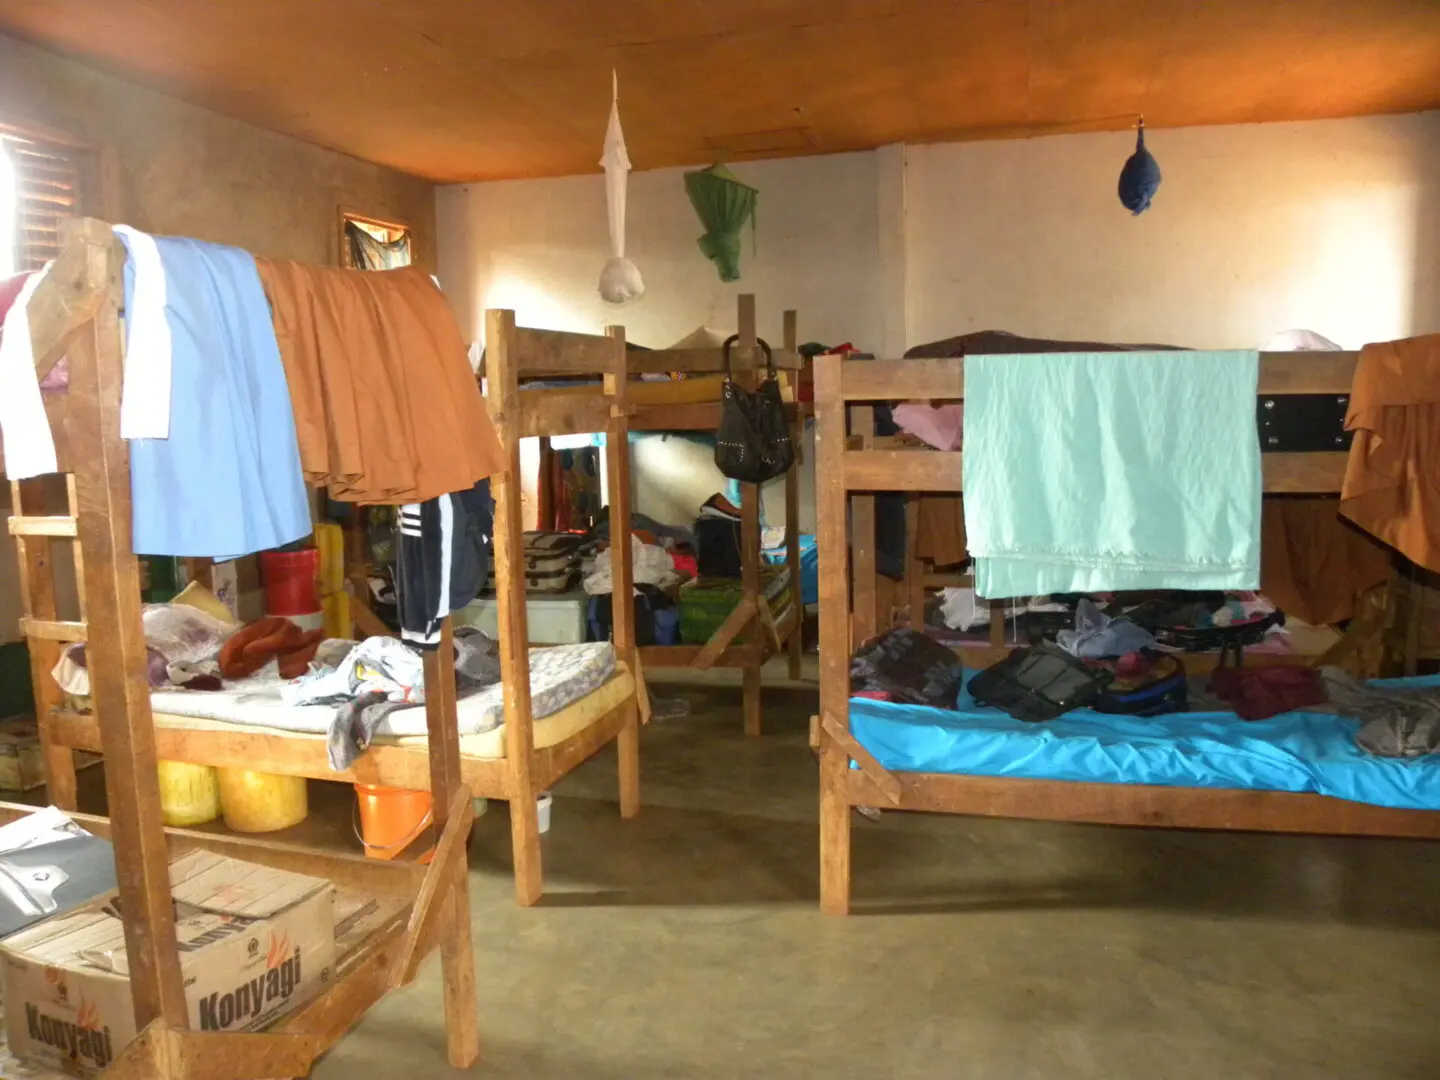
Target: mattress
[560, 677]
[490, 745]
[1297, 751]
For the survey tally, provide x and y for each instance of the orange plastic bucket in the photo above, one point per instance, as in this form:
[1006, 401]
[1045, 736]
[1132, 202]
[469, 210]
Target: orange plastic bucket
[391, 819]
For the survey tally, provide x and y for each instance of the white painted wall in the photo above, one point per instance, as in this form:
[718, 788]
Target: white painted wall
[1329, 225]
[537, 246]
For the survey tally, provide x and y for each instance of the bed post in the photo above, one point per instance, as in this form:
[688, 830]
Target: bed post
[750, 546]
[866, 616]
[504, 394]
[457, 957]
[622, 604]
[914, 565]
[796, 642]
[119, 690]
[833, 542]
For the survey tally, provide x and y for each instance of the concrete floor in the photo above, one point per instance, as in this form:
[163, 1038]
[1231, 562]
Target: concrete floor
[687, 943]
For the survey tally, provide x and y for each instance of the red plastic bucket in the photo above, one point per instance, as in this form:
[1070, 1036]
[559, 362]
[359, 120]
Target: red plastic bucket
[290, 580]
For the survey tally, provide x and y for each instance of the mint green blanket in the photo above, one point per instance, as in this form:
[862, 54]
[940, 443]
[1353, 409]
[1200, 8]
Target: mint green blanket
[1093, 472]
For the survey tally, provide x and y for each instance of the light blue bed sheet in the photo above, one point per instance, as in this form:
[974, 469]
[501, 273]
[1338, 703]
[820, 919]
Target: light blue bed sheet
[1296, 751]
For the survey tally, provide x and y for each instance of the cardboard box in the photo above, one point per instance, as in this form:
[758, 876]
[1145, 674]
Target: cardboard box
[254, 944]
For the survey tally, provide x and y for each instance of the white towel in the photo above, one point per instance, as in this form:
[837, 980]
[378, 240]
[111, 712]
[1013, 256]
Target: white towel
[145, 394]
[28, 442]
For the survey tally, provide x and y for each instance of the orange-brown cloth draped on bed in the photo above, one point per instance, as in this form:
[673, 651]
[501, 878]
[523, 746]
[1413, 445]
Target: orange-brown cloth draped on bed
[387, 408]
[1392, 484]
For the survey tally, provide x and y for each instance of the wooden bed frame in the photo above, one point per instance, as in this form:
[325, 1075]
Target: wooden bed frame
[849, 467]
[764, 638]
[76, 311]
[525, 769]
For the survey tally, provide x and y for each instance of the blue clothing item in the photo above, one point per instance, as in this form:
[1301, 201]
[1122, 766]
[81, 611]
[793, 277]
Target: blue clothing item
[1097, 635]
[227, 482]
[1098, 472]
[809, 566]
[1295, 751]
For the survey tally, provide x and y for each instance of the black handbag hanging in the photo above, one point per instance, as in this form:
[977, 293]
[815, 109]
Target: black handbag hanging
[752, 443]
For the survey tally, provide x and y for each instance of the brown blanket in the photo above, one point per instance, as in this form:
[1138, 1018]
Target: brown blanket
[1392, 487]
[387, 409]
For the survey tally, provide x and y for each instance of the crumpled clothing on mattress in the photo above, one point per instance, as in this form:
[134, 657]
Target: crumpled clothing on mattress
[1395, 723]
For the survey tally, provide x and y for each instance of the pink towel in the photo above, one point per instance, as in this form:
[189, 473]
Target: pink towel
[938, 426]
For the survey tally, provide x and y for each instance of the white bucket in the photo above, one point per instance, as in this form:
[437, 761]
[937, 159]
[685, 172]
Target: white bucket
[542, 810]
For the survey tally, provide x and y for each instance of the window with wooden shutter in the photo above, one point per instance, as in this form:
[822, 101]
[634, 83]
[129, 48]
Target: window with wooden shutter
[48, 178]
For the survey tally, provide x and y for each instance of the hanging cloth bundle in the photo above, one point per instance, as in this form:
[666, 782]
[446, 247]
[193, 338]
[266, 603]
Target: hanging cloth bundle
[752, 442]
[1140, 178]
[724, 203]
[620, 280]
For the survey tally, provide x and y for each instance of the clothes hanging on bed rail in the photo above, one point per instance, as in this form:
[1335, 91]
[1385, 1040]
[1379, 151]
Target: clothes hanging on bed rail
[386, 405]
[1096, 472]
[226, 482]
[1390, 488]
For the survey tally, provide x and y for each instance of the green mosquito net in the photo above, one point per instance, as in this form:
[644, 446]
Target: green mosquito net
[724, 204]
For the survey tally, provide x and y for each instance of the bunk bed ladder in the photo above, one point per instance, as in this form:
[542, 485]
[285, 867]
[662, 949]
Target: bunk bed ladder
[46, 635]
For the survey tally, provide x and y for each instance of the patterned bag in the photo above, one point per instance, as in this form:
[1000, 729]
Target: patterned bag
[752, 443]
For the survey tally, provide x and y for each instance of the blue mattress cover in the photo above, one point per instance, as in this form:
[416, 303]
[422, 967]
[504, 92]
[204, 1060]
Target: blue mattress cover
[1296, 751]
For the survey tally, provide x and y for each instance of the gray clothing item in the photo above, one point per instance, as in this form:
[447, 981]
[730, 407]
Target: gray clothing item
[1097, 635]
[477, 665]
[1401, 723]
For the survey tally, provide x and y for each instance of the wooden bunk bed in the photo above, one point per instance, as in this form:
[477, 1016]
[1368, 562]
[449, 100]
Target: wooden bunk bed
[750, 635]
[76, 311]
[514, 762]
[852, 465]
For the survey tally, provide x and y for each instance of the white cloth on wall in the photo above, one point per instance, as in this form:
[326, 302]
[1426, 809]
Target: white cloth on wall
[28, 442]
[145, 393]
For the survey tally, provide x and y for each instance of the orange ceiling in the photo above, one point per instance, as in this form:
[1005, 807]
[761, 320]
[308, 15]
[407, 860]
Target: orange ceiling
[483, 89]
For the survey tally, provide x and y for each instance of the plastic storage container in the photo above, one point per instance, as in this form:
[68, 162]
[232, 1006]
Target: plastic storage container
[255, 802]
[189, 794]
[391, 818]
[290, 579]
[552, 620]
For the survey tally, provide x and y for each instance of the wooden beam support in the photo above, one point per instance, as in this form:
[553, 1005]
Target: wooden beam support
[117, 657]
[559, 352]
[503, 345]
[433, 913]
[42, 526]
[622, 569]
[1146, 805]
[903, 470]
[735, 623]
[72, 292]
[564, 410]
[710, 361]
[883, 778]
[450, 798]
[52, 629]
[944, 379]
[1315, 473]
[833, 543]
